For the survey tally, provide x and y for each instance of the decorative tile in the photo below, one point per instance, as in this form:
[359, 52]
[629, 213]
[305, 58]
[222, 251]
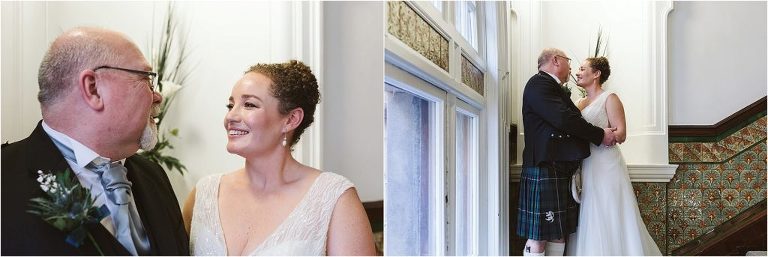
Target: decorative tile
[650, 195]
[749, 178]
[747, 156]
[675, 237]
[691, 233]
[707, 152]
[656, 228]
[658, 233]
[676, 217]
[714, 182]
[675, 152]
[693, 152]
[406, 25]
[675, 197]
[693, 178]
[712, 216]
[729, 196]
[472, 76]
[691, 197]
[710, 196]
[693, 218]
[710, 179]
[729, 179]
[741, 204]
[734, 144]
[648, 216]
[760, 148]
[677, 181]
[729, 212]
[737, 164]
[758, 164]
[760, 194]
[750, 196]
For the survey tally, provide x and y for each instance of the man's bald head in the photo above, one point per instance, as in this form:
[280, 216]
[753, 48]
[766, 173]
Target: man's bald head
[73, 51]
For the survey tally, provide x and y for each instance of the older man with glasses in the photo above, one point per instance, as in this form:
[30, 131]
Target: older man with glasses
[556, 140]
[98, 100]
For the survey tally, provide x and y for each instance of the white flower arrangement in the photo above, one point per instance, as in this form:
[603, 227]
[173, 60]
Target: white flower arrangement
[171, 74]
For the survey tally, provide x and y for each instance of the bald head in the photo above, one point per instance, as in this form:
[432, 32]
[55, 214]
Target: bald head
[76, 50]
[555, 62]
[547, 54]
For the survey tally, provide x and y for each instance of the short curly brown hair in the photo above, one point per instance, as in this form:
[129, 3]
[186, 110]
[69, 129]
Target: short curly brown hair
[601, 64]
[294, 86]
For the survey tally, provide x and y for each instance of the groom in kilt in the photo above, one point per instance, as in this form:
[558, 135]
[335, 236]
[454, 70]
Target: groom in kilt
[556, 140]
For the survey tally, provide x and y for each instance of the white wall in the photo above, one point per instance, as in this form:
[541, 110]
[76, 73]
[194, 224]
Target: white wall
[717, 59]
[20, 55]
[353, 134]
[225, 38]
[634, 30]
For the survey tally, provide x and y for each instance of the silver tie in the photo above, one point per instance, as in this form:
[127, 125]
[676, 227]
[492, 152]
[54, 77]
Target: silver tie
[128, 228]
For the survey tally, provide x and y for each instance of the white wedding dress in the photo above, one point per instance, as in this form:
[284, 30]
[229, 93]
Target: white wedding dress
[609, 218]
[303, 232]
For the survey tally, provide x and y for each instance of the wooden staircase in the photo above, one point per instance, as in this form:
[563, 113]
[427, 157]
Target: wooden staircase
[743, 233]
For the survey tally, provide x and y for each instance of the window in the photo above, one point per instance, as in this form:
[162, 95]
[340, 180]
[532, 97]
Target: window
[438, 4]
[413, 180]
[432, 169]
[466, 21]
[466, 177]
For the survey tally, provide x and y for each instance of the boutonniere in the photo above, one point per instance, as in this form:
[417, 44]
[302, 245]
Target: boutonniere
[68, 206]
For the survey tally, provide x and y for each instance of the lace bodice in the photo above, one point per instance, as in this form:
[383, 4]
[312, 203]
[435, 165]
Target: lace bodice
[595, 112]
[303, 232]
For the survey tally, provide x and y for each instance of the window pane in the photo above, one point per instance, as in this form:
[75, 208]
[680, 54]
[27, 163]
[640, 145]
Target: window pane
[408, 133]
[438, 5]
[466, 21]
[466, 173]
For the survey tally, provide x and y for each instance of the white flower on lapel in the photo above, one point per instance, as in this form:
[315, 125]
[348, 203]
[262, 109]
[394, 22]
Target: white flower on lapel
[47, 182]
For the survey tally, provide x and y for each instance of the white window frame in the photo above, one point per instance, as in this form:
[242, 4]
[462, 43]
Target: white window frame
[408, 82]
[439, 5]
[471, 247]
[468, 25]
[491, 237]
[444, 22]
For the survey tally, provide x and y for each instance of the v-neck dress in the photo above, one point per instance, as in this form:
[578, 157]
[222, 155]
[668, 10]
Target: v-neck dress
[303, 232]
[610, 222]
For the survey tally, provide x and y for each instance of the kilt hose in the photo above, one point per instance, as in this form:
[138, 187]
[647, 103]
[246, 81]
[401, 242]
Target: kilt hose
[547, 210]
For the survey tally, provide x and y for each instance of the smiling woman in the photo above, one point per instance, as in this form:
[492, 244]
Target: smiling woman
[275, 205]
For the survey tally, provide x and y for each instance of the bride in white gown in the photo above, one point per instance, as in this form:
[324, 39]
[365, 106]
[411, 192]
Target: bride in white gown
[274, 205]
[609, 218]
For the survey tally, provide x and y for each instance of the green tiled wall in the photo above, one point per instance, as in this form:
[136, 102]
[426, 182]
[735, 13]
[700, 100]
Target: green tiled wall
[715, 181]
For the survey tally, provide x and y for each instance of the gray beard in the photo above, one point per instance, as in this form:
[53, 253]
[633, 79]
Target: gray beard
[149, 136]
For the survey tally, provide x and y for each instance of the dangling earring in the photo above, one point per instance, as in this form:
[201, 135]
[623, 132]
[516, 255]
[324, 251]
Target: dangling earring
[285, 140]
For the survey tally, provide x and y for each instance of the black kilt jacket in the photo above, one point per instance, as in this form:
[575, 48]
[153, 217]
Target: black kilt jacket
[553, 126]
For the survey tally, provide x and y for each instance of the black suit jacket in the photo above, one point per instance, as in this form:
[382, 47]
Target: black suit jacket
[28, 234]
[553, 126]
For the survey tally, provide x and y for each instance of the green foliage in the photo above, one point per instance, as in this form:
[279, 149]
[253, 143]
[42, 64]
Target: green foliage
[601, 49]
[171, 74]
[156, 155]
[68, 206]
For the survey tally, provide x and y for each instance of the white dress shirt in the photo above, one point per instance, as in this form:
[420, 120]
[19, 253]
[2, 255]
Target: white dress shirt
[88, 179]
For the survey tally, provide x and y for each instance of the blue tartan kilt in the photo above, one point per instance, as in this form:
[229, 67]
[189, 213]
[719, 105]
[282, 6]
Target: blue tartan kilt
[547, 210]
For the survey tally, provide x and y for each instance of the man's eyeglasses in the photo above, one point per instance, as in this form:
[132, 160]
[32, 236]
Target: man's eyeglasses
[150, 75]
[566, 58]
